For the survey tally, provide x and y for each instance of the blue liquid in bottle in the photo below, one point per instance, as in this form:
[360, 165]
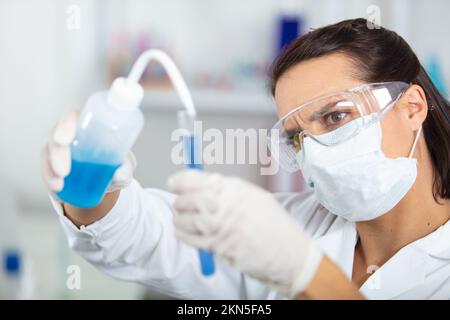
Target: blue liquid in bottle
[86, 184]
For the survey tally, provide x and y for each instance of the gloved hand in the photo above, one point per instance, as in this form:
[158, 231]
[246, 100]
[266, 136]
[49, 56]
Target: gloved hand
[57, 157]
[247, 226]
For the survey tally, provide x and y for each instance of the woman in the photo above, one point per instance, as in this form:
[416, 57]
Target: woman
[370, 132]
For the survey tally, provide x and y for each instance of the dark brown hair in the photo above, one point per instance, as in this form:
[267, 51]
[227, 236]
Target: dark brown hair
[379, 55]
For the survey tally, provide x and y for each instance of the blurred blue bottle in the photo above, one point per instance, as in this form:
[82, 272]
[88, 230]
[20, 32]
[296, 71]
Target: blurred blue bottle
[289, 30]
[192, 160]
[107, 128]
[290, 23]
[12, 275]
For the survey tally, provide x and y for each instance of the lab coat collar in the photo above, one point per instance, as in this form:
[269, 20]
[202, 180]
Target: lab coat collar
[437, 243]
[404, 271]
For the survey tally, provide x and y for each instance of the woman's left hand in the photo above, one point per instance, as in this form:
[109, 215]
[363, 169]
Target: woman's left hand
[244, 224]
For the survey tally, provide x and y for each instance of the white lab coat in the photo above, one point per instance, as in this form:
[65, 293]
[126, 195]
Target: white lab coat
[136, 242]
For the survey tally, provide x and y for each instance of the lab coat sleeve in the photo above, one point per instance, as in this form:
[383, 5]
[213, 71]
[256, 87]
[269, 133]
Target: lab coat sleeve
[312, 217]
[136, 242]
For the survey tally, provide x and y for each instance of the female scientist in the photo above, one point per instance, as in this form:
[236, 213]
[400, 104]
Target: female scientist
[371, 134]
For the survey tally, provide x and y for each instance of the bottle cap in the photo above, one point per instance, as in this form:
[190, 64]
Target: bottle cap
[125, 94]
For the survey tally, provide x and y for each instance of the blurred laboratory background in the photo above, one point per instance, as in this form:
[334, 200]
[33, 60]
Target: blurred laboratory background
[55, 53]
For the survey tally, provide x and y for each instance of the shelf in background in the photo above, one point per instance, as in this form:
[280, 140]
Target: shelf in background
[212, 101]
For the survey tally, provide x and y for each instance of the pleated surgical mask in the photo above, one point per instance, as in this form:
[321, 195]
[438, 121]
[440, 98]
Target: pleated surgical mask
[354, 179]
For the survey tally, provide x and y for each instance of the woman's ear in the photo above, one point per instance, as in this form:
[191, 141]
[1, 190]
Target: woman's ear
[414, 105]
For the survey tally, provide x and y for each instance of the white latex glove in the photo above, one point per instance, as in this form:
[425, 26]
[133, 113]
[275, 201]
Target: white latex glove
[57, 157]
[247, 226]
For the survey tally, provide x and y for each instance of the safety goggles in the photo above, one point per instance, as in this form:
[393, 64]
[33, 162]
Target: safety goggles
[322, 117]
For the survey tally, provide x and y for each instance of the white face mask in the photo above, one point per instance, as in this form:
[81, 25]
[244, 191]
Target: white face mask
[354, 179]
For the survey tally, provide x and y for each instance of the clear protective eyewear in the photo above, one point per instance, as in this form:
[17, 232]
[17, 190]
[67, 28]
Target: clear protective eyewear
[322, 117]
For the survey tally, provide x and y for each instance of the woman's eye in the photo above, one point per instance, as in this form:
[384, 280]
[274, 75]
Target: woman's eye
[334, 117]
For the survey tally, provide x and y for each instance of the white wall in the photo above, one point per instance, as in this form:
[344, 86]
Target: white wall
[44, 67]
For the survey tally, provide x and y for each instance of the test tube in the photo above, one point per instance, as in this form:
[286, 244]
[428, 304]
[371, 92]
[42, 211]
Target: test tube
[192, 160]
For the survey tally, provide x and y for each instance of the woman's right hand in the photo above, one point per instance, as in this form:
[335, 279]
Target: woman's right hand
[245, 225]
[57, 157]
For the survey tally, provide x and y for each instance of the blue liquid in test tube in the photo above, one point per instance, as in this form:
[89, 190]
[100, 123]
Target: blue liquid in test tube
[192, 161]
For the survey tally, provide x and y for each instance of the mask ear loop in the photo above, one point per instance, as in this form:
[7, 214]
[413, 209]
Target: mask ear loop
[415, 142]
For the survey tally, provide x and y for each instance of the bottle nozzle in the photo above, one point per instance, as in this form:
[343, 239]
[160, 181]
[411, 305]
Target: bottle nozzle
[125, 94]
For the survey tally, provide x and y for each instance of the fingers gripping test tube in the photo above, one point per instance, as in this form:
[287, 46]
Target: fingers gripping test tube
[192, 160]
